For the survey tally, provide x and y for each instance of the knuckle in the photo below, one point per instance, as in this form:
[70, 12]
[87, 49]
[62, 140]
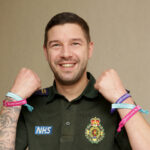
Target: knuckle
[112, 70]
[24, 69]
[108, 72]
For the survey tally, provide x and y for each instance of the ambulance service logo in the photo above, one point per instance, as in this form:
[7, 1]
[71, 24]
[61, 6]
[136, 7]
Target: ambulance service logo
[43, 130]
[94, 132]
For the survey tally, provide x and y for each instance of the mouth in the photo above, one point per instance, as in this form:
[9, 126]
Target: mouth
[67, 65]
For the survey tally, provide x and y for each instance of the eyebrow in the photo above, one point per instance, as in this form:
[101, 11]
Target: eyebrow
[77, 39]
[73, 39]
[53, 41]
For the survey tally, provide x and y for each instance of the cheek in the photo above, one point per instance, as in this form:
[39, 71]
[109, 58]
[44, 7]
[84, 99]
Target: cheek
[52, 57]
[83, 55]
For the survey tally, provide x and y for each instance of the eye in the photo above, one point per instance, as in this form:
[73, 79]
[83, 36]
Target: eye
[75, 43]
[55, 45]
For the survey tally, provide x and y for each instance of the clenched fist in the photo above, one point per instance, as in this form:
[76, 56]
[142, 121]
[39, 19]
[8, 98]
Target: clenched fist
[110, 85]
[26, 83]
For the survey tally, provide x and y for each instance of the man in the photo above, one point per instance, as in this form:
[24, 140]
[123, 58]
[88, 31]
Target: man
[74, 113]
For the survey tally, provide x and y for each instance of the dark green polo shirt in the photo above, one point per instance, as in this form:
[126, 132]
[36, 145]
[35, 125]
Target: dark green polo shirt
[82, 124]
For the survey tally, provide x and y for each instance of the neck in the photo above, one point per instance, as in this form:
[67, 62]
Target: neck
[72, 91]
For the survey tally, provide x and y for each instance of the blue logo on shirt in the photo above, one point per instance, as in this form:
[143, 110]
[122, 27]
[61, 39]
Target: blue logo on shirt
[43, 130]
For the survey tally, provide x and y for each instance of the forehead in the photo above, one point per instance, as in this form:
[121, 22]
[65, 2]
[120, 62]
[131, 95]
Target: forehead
[66, 31]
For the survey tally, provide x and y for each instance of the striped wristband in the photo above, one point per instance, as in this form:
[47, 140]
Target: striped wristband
[127, 117]
[128, 106]
[120, 100]
[16, 103]
[18, 98]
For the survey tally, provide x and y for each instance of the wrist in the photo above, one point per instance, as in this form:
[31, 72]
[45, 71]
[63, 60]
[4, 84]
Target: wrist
[125, 111]
[14, 103]
[121, 100]
[119, 94]
[129, 100]
[18, 92]
[9, 99]
[18, 98]
[127, 117]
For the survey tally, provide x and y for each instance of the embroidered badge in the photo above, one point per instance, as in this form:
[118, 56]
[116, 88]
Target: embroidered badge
[94, 132]
[43, 130]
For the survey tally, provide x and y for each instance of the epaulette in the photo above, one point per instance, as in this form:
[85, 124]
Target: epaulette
[42, 92]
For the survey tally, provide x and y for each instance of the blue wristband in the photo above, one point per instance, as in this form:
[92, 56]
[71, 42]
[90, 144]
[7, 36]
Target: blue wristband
[18, 98]
[128, 106]
[14, 96]
[120, 100]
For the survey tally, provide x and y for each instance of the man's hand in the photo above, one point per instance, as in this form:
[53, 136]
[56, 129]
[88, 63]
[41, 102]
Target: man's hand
[26, 83]
[110, 85]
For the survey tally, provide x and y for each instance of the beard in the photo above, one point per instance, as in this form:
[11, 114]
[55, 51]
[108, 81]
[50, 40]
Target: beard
[76, 77]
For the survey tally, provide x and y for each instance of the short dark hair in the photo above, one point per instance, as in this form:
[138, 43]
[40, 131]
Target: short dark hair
[67, 17]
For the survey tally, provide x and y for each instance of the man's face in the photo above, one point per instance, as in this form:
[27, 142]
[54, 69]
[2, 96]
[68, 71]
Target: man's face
[68, 52]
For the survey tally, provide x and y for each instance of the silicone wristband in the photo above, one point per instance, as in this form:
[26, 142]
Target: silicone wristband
[16, 103]
[14, 96]
[18, 98]
[120, 100]
[128, 116]
[128, 106]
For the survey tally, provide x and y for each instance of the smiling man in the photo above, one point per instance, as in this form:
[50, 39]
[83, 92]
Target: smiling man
[68, 56]
[74, 113]
[66, 53]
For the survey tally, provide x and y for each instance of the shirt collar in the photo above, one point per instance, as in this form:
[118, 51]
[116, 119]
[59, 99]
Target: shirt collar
[89, 92]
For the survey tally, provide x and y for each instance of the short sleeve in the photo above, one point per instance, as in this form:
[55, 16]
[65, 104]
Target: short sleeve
[21, 134]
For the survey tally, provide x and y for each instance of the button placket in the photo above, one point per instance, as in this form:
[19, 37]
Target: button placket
[68, 119]
[68, 125]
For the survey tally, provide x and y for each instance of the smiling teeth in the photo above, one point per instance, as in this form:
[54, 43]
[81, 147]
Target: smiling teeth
[67, 65]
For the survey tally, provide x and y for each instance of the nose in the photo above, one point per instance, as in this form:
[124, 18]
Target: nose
[66, 52]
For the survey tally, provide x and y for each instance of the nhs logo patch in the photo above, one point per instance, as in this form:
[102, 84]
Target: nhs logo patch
[43, 130]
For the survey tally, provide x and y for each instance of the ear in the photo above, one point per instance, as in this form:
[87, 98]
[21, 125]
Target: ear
[91, 47]
[45, 52]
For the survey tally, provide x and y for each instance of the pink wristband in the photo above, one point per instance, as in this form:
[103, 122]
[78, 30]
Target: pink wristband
[128, 116]
[15, 103]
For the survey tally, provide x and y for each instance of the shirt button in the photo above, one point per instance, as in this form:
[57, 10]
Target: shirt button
[67, 123]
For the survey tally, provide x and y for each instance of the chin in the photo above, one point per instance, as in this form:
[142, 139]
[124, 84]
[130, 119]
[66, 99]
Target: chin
[69, 77]
[67, 81]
